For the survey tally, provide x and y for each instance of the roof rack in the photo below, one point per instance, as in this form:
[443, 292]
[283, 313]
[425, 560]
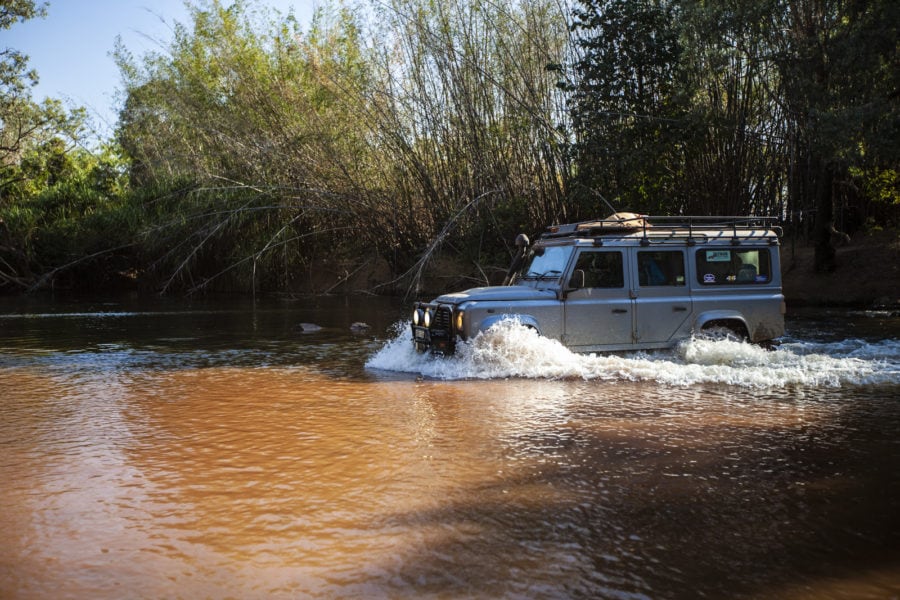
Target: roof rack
[689, 229]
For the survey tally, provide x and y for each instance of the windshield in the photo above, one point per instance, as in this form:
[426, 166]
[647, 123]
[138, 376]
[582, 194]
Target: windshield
[547, 262]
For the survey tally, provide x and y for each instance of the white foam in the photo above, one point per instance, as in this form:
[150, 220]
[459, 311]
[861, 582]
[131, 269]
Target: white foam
[511, 350]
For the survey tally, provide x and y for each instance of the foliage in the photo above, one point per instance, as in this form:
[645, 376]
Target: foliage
[14, 76]
[673, 108]
[311, 147]
[784, 107]
[468, 121]
[50, 188]
[253, 126]
[627, 106]
[25, 124]
[74, 217]
[838, 65]
[253, 151]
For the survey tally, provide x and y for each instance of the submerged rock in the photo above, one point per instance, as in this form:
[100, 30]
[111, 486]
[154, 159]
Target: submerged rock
[307, 327]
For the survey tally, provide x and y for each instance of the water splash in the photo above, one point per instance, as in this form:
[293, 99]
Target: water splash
[510, 350]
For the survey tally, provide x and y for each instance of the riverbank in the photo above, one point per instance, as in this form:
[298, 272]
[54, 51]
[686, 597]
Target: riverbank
[867, 276]
[867, 273]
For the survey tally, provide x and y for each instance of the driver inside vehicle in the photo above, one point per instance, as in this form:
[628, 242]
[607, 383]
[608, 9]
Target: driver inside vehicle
[601, 269]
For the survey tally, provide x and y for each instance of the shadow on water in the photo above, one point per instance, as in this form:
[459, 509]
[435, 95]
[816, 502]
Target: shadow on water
[714, 503]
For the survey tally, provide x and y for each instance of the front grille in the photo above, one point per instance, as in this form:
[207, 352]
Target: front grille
[442, 318]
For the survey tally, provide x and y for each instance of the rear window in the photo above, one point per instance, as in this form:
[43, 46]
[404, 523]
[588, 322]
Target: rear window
[733, 266]
[664, 267]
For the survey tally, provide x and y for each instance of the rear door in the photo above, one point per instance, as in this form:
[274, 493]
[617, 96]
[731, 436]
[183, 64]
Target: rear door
[663, 300]
[598, 309]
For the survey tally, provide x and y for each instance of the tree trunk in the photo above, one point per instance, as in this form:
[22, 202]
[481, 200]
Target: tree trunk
[825, 252]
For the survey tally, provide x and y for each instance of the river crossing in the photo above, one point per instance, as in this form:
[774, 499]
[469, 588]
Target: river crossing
[210, 449]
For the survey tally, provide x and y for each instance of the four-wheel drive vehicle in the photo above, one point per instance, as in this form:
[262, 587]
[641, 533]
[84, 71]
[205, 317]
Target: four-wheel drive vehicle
[627, 282]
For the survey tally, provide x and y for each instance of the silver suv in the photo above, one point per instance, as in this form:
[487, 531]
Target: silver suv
[627, 282]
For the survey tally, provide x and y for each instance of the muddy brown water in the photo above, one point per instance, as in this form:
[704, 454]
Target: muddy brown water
[174, 449]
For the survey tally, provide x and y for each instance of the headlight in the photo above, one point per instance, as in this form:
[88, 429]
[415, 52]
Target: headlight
[459, 320]
[416, 316]
[427, 319]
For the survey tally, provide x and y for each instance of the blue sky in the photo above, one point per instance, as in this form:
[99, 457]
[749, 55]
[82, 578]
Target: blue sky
[71, 47]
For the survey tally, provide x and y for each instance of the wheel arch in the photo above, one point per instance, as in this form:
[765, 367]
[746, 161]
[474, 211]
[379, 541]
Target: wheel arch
[723, 318]
[525, 319]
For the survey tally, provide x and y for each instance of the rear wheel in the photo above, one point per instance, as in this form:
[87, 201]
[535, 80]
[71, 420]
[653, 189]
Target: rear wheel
[724, 330]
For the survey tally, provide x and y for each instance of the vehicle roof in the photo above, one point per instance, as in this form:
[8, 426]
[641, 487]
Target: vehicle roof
[631, 228]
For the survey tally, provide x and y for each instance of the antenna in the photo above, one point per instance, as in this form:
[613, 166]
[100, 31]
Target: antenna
[599, 195]
[606, 202]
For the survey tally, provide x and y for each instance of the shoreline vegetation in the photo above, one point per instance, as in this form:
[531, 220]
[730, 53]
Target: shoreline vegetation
[866, 276]
[398, 146]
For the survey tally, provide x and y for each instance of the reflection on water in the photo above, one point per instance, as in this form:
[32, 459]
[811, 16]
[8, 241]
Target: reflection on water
[219, 453]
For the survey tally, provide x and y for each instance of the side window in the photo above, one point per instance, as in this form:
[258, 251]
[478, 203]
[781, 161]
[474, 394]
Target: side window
[727, 266]
[660, 268]
[595, 269]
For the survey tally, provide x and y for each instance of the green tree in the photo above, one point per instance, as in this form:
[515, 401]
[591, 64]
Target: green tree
[839, 68]
[785, 107]
[627, 103]
[276, 148]
[246, 116]
[72, 227]
[58, 201]
[733, 144]
[23, 123]
[471, 123]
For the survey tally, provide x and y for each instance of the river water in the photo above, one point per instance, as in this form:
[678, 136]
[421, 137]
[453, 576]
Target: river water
[211, 449]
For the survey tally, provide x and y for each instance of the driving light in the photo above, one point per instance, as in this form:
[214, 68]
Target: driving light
[427, 320]
[416, 316]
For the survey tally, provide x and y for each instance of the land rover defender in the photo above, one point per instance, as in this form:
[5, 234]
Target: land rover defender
[627, 282]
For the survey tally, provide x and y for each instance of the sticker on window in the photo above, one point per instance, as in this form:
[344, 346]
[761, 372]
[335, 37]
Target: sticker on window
[718, 256]
[709, 278]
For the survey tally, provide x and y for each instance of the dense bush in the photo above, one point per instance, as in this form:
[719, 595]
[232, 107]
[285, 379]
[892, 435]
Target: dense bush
[254, 151]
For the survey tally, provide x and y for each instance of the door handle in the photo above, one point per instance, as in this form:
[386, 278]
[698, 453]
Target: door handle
[619, 311]
[679, 308]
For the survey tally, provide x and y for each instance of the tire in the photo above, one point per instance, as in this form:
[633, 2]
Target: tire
[724, 330]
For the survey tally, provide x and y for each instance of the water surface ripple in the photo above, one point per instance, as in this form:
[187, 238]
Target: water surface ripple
[171, 451]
